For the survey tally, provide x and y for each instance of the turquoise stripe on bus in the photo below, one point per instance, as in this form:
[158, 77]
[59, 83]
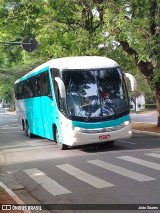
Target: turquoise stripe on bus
[41, 115]
[33, 115]
[100, 124]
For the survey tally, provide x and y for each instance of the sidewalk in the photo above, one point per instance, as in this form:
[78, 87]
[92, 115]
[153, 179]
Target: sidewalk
[7, 196]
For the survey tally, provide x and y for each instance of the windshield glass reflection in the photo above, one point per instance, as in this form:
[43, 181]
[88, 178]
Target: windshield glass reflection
[95, 93]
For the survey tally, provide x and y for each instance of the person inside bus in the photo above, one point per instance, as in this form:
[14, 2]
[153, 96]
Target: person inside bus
[105, 94]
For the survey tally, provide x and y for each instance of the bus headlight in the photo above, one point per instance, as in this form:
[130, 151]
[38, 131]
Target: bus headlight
[78, 129]
[126, 123]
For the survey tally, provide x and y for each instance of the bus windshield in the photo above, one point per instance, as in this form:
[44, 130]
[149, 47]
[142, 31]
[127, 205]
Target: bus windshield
[95, 93]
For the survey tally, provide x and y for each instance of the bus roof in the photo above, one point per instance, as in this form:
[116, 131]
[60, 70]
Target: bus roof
[72, 63]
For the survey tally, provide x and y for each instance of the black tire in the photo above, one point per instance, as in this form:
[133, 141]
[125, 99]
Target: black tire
[27, 131]
[23, 125]
[61, 145]
[111, 142]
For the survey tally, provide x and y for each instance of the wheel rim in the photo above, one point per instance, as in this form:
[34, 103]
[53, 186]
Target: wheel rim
[28, 131]
[57, 137]
[61, 145]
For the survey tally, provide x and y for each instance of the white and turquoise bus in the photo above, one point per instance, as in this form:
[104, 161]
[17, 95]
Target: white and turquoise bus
[74, 101]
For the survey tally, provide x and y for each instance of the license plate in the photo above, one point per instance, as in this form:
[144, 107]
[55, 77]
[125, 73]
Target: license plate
[104, 137]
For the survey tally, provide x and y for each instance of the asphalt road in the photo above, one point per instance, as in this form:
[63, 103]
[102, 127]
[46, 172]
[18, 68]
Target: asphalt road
[38, 172]
[150, 117]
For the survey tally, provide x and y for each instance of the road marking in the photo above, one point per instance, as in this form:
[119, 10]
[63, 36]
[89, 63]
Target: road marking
[126, 142]
[32, 144]
[122, 171]
[9, 125]
[27, 149]
[12, 127]
[84, 176]
[46, 182]
[141, 162]
[9, 119]
[156, 155]
[12, 131]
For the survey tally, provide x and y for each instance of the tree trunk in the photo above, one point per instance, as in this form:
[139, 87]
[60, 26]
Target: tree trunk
[147, 69]
[158, 121]
[158, 107]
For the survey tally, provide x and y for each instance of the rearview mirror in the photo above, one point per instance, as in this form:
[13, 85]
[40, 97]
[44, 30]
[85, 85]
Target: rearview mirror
[132, 80]
[61, 86]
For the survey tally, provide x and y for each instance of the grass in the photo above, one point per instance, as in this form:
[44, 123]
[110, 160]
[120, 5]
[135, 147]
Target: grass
[2, 189]
[146, 127]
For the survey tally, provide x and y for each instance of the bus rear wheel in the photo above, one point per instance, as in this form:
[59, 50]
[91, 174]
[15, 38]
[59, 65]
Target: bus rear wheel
[23, 125]
[28, 132]
[61, 145]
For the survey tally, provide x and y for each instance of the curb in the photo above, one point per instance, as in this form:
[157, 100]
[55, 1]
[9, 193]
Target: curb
[13, 196]
[146, 132]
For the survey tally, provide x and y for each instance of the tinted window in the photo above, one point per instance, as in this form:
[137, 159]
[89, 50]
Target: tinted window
[55, 73]
[46, 91]
[35, 86]
[36, 81]
[95, 93]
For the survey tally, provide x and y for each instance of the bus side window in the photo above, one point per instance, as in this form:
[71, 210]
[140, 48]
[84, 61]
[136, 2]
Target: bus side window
[27, 88]
[46, 85]
[55, 73]
[30, 85]
[37, 86]
[20, 90]
[16, 91]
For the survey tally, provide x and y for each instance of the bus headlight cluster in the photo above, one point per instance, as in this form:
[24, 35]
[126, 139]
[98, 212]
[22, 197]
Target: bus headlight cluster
[78, 129]
[100, 130]
[126, 123]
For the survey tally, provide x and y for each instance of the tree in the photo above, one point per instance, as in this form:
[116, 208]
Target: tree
[128, 30]
[136, 26]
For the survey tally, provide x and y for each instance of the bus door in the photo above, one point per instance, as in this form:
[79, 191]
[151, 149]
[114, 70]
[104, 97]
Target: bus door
[47, 106]
[33, 106]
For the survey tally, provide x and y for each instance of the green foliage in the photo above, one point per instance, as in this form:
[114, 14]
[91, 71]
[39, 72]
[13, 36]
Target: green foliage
[2, 190]
[70, 28]
[6, 91]
[149, 98]
[132, 23]
[150, 106]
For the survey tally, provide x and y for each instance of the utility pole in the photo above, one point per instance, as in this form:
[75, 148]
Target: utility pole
[29, 44]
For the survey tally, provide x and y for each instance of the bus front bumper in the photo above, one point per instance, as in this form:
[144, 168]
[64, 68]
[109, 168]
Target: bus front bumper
[75, 138]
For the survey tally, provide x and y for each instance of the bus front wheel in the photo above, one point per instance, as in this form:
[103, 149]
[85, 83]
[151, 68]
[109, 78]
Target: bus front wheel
[111, 143]
[61, 145]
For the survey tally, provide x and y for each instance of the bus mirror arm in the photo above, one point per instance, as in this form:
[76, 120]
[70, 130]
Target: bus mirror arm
[132, 80]
[61, 87]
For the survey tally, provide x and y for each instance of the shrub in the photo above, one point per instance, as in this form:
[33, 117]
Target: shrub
[150, 106]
